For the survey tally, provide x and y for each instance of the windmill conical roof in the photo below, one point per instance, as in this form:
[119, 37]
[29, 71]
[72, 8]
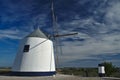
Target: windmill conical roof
[37, 33]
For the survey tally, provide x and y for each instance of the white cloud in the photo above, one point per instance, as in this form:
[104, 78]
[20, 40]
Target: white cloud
[12, 34]
[105, 39]
[112, 17]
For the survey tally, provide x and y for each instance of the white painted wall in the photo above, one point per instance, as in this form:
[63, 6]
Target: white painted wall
[40, 57]
[101, 69]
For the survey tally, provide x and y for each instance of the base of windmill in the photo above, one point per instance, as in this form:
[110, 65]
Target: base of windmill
[101, 75]
[33, 73]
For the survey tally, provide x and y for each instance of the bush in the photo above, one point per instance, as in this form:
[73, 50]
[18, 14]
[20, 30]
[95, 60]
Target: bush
[109, 68]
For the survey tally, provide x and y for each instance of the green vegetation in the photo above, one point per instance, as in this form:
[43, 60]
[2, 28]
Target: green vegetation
[4, 71]
[111, 71]
[85, 72]
[109, 68]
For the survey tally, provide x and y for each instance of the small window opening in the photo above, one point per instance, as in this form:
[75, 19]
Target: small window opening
[26, 48]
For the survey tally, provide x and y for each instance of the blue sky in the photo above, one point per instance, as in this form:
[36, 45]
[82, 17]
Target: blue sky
[96, 21]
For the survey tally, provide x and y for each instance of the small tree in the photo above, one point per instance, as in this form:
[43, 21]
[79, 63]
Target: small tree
[109, 68]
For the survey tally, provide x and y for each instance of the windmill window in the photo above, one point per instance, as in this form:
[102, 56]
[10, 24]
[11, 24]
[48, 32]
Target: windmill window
[26, 48]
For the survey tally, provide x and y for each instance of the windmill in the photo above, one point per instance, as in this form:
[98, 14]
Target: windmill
[35, 56]
[101, 68]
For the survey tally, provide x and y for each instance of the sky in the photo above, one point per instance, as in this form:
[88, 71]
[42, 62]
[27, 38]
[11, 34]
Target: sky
[96, 21]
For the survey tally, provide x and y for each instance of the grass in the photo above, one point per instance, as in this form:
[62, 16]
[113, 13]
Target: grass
[4, 71]
[85, 72]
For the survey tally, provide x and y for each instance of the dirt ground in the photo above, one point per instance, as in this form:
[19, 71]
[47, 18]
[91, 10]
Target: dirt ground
[57, 77]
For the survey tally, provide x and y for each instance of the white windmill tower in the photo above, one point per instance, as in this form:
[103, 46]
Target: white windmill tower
[35, 56]
[101, 70]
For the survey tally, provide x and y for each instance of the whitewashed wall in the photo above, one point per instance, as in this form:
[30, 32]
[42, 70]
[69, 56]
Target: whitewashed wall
[40, 57]
[101, 69]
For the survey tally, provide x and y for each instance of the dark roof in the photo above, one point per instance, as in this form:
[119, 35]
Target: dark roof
[37, 33]
[101, 64]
